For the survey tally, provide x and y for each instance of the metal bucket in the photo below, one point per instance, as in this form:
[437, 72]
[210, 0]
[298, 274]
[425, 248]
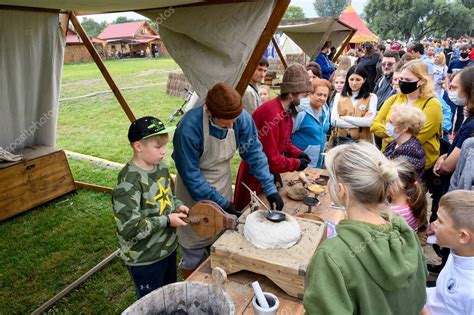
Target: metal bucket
[187, 297]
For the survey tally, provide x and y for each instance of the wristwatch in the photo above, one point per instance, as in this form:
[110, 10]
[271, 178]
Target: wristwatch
[168, 222]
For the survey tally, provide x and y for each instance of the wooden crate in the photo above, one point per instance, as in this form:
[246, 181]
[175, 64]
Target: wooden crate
[43, 175]
[285, 267]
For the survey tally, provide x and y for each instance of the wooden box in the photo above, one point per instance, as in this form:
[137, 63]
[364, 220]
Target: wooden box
[285, 267]
[43, 175]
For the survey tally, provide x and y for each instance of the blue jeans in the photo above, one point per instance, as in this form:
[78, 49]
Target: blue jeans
[151, 277]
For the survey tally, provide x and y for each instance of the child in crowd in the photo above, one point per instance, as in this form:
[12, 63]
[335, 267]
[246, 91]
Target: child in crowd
[264, 92]
[408, 198]
[145, 210]
[454, 229]
[375, 264]
[339, 81]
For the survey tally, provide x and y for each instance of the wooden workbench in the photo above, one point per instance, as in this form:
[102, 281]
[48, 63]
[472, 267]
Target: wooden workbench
[239, 286]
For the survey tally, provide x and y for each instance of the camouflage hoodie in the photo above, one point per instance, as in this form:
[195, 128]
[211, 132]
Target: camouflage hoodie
[141, 201]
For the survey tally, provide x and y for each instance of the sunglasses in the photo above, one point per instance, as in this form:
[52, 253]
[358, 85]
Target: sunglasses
[387, 64]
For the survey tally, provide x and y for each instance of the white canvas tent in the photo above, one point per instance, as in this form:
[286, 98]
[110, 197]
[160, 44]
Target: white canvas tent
[311, 34]
[288, 46]
[212, 41]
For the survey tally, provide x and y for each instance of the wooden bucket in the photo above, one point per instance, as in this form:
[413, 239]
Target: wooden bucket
[187, 297]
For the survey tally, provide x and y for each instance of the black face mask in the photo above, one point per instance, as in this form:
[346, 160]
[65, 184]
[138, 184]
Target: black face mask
[464, 55]
[407, 87]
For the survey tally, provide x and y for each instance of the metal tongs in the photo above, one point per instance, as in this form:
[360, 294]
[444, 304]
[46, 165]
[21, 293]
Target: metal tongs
[274, 216]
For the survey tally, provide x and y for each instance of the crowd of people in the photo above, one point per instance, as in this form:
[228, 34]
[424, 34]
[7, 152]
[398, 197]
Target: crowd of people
[381, 124]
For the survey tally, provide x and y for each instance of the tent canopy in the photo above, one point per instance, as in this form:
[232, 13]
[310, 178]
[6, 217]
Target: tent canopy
[363, 34]
[310, 34]
[212, 41]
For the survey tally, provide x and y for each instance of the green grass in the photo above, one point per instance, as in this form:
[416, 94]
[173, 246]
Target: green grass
[45, 249]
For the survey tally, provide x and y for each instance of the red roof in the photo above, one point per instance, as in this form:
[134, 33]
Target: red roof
[122, 30]
[72, 37]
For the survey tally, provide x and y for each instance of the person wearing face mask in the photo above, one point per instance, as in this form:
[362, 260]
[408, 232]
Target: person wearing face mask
[274, 123]
[403, 127]
[353, 109]
[327, 67]
[206, 139]
[374, 265]
[416, 89]
[311, 125]
[451, 96]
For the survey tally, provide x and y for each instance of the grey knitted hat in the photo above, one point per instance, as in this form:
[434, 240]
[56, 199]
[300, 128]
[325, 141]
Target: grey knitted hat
[296, 80]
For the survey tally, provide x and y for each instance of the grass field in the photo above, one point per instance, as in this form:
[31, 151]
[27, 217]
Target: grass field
[49, 247]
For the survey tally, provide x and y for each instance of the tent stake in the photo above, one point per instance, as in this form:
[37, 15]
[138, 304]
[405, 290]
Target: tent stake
[262, 44]
[100, 64]
[46, 306]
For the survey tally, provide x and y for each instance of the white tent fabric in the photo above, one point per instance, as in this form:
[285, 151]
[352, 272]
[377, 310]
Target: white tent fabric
[212, 44]
[31, 58]
[309, 34]
[98, 6]
[288, 46]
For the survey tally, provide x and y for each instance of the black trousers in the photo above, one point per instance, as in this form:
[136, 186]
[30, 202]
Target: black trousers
[151, 277]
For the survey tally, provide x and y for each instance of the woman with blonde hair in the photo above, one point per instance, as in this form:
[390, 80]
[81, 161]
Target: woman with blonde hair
[417, 90]
[403, 126]
[374, 264]
[440, 73]
[344, 64]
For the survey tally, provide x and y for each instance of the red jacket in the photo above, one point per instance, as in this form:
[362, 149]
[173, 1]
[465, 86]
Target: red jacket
[274, 127]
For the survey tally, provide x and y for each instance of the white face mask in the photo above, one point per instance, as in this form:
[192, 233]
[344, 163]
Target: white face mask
[456, 99]
[304, 103]
[391, 131]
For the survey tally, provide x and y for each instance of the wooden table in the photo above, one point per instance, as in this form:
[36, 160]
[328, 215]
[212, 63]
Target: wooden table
[239, 286]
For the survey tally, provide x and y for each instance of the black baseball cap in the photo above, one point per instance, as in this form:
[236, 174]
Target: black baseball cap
[147, 127]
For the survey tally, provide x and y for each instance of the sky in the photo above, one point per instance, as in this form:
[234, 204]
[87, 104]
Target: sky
[307, 6]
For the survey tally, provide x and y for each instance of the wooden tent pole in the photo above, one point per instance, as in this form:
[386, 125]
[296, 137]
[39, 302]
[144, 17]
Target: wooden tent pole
[100, 64]
[267, 34]
[346, 42]
[280, 54]
[324, 39]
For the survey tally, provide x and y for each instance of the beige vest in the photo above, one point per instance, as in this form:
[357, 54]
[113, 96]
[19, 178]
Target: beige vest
[346, 108]
[215, 167]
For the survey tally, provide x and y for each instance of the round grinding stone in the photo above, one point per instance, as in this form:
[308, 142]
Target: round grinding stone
[265, 234]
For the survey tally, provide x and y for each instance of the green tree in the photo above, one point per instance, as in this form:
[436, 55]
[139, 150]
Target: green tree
[467, 3]
[330, 7]
[123, 19]
[392, 18]
[294, 13]
[92, 27]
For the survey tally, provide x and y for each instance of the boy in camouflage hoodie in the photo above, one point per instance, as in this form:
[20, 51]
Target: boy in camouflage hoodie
[146, 211]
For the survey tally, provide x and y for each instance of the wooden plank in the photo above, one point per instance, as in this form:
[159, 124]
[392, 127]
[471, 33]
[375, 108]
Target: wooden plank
[93, 187]
[64, 22]
[346, 42]
[267, 34]
[100, 64]
[280, 54]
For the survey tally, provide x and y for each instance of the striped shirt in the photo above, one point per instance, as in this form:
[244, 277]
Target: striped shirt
[405, 211]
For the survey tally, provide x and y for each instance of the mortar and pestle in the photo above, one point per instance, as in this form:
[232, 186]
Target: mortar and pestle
[264, 303]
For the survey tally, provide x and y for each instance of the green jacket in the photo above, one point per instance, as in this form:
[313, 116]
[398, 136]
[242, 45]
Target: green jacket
[367, 269]
[141, 201]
